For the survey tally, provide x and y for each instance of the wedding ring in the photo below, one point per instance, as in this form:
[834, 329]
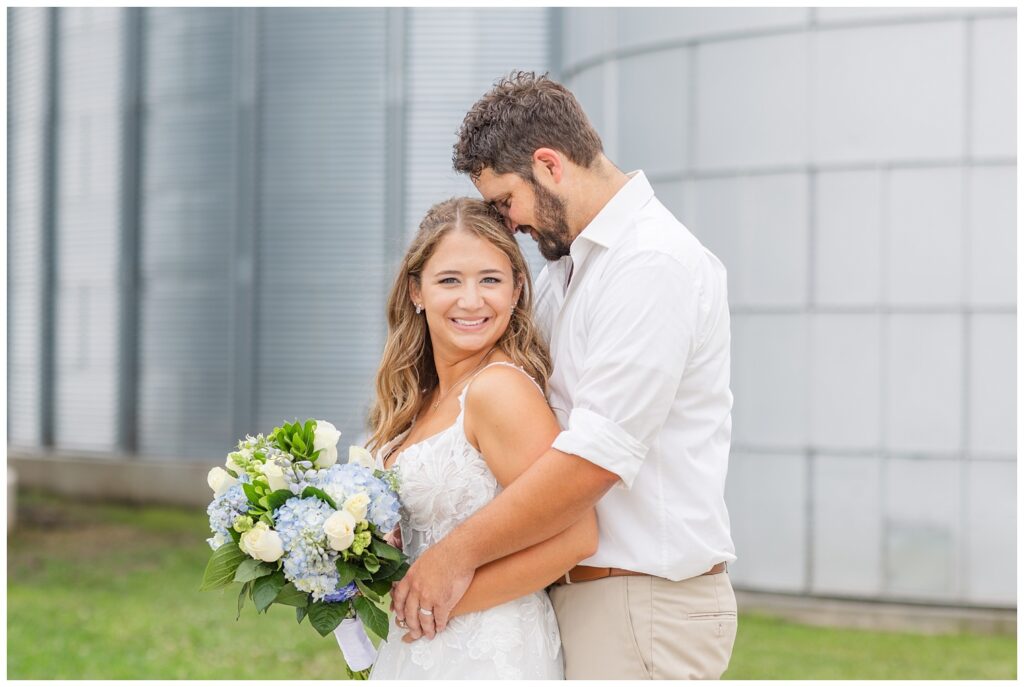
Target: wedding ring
[401, 623]
[426, 612]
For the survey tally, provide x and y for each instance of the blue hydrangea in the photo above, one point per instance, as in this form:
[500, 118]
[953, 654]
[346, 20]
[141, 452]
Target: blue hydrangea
[222, 512]
[308, 560]
[343, 481]
[343, 594]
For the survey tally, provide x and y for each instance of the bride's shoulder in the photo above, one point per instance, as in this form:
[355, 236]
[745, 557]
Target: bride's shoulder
[502, 386]
[506, 414]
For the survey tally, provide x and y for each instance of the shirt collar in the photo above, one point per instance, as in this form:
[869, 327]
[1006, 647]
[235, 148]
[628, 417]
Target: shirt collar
[607, 228]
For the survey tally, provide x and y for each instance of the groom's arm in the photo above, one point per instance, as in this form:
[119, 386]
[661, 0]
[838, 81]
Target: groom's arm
[551, 495]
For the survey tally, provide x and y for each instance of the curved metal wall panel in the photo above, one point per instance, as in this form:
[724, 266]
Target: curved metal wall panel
[88, 231]
[27, 66]
[321, 256]
[185, 257]
[453, 57]
[853, 169]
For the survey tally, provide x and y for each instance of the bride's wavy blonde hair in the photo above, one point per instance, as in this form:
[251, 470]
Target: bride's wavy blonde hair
[407, 371]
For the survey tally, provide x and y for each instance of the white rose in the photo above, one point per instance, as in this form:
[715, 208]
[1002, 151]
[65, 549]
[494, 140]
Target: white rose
[357, 505]
[360, 456]
[340, 529]
[262, 542]
[230, 463]
[325, 440]
[220, 481]
[274, 475]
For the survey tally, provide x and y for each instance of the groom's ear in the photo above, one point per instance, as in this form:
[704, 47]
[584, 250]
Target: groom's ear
[548, 162]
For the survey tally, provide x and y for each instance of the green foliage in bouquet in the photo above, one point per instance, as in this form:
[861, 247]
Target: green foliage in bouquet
[372, 570]
[297, 439]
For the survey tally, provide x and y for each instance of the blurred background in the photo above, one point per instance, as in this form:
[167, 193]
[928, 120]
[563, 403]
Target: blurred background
[206, 206]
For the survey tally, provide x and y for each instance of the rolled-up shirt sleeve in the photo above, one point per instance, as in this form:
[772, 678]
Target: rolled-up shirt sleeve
[639, 336]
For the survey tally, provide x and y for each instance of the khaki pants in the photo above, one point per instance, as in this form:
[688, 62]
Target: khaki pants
[641, 627]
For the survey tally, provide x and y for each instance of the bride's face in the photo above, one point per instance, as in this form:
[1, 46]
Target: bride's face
[467, 291]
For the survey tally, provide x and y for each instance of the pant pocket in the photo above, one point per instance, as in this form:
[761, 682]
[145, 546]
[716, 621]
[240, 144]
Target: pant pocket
[638, 602]
[712, 616]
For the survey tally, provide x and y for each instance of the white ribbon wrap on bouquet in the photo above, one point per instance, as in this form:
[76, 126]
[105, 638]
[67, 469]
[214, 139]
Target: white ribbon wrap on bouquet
[355, 645]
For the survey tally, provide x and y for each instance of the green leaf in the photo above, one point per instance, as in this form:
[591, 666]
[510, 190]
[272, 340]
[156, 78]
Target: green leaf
[250, 492]
[300, 613]
[324, 617]
[266, 589]
[367, 590]
[385, 550]
[235, 536]
[373, 617]
[290, 596]
[299, 443]
[309, 428]
[220, 571]
[267, 519]
[387, 568]
[346, 572]
[263, 502]
[320, 494]
[371, 563]
[278, 499]
[379, 587]
[250, 569]
[241, 599]
[397, 575]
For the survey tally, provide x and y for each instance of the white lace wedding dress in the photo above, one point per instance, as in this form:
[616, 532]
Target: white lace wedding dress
[443, 481]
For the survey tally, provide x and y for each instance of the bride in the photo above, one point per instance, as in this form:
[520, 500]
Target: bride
[461, 412]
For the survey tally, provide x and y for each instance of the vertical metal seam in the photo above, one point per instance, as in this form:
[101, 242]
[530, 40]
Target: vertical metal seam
[133, 54]
[556, 59]
[809, 305]
[245, 254]
[966, 319]
[811, 450]
[396, 28]
[691, 113]
[885, 322]
[256, 181]
[49, 226]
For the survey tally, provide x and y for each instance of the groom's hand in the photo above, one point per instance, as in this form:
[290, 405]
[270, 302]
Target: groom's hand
[435, 582]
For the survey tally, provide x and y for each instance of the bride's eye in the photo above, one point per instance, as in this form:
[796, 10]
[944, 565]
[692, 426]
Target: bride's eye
[491, 280]
[449, 280]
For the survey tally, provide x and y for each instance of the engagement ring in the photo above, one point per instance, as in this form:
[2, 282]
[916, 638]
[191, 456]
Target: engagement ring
[426, 612]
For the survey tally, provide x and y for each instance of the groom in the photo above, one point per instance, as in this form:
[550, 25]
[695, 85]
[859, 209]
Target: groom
[634, 309]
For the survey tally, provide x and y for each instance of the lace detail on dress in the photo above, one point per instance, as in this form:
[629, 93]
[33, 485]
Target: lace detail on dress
[443, 481]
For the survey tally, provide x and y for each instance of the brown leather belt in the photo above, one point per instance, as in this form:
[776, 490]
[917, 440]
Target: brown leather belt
[586, 573]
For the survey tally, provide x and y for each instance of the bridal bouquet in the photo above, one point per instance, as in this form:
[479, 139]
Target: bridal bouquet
[295, 527]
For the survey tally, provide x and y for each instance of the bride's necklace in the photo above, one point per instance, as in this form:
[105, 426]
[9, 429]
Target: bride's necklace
[464, 377]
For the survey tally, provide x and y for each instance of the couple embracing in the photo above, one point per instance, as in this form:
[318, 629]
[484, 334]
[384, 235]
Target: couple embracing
[561, 447]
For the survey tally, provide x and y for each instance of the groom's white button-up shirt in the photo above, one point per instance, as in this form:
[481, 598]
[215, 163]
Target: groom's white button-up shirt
[640, 343]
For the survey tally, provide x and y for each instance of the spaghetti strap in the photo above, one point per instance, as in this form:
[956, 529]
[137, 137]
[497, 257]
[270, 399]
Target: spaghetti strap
[465, 390]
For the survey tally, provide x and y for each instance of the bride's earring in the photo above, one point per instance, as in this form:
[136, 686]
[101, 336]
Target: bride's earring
[419, 308]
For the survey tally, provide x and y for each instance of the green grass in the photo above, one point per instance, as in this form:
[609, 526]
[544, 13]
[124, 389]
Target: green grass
[772, 649]
[111, 592]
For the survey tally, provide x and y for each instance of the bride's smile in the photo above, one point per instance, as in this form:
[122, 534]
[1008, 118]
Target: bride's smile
[467, 292]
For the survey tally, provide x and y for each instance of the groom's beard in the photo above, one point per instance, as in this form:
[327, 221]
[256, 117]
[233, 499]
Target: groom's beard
[552, 229]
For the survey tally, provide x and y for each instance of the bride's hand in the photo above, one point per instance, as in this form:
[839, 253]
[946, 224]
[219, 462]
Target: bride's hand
[434, 583]
[394, 537]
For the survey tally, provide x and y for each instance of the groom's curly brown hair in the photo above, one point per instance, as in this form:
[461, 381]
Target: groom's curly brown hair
[521, 113]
